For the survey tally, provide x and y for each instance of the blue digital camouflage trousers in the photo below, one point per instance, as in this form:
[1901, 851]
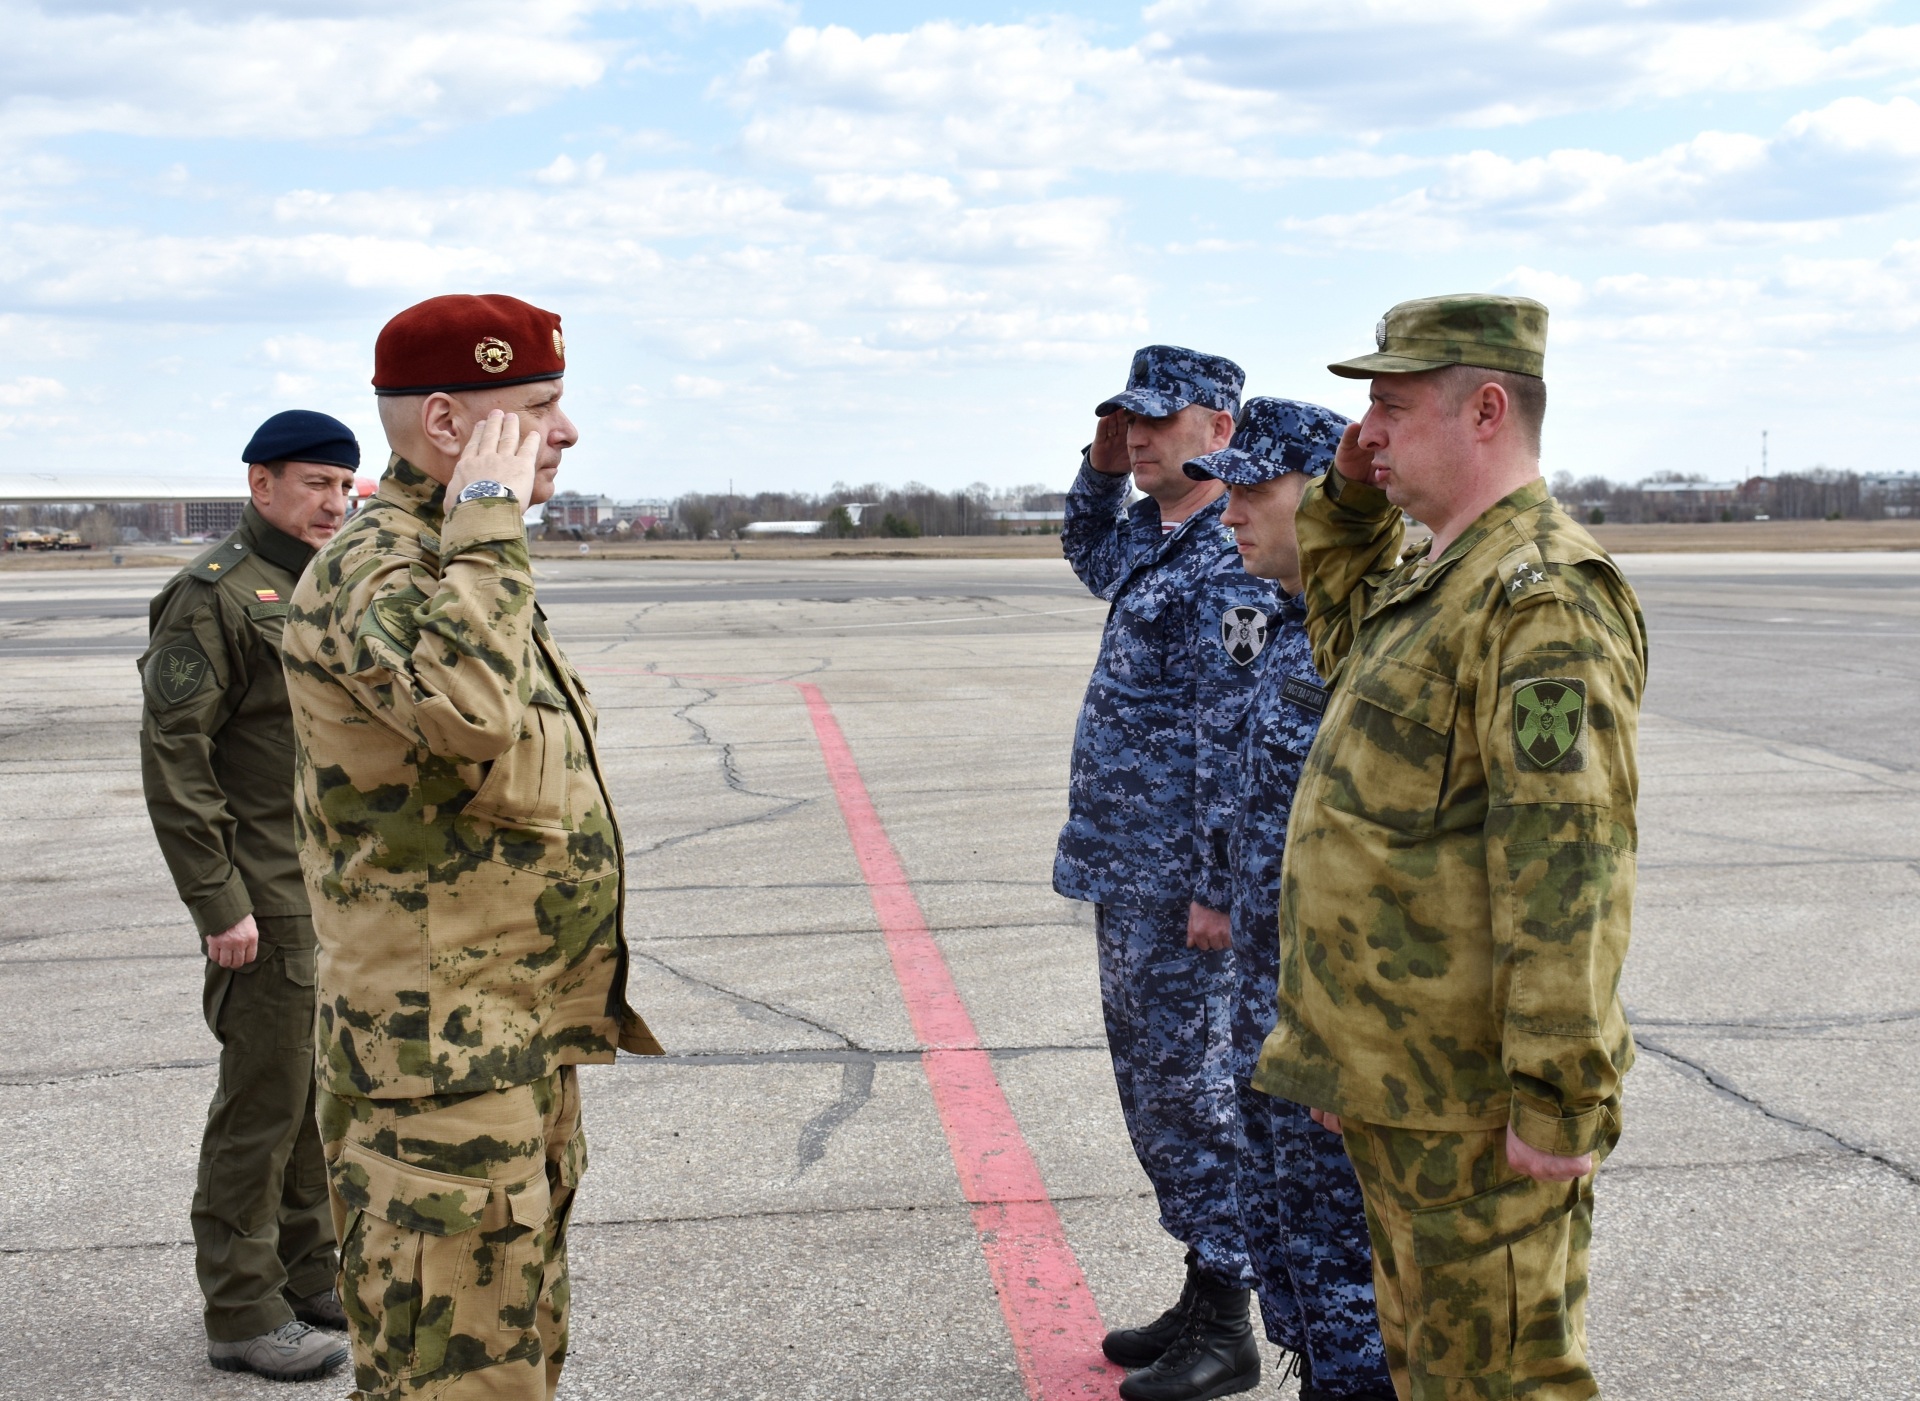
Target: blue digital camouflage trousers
[1169, 1014]
[1305, 1219]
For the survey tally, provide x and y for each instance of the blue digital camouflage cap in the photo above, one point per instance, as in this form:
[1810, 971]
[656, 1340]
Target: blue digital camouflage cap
[1272, 438]
[1166, 378]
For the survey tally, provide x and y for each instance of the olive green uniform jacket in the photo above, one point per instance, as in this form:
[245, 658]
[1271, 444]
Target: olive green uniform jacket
[216, 738]
[456, 834]
[1458, 882]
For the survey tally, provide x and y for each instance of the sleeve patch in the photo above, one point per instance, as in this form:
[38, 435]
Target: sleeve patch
[176, 673]
[1243, 632]
[1548, 717]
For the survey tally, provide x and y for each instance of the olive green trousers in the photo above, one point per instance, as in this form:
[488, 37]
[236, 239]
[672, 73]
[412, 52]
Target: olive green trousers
[261, 1229]
[1479, 1273]
[452, 1213]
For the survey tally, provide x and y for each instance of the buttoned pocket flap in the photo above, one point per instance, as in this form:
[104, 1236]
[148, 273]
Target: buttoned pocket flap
[412, 1198]
[529, 1201]
[300, 966]
[1499, 1217]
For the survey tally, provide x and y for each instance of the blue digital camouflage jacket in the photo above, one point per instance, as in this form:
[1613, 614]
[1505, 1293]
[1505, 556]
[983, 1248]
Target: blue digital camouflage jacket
[1151, 794]
[1283, 715]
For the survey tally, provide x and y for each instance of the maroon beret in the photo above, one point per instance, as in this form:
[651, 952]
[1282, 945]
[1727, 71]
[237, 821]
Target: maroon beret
[457, 342]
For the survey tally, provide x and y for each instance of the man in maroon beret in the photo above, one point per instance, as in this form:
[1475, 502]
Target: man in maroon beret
[465, 870]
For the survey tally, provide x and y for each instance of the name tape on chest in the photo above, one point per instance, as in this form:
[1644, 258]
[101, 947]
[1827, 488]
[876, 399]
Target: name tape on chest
[1243, 632]
[1306, 693]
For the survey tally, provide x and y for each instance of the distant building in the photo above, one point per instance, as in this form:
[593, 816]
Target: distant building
[641, 516]
[572, 510]
[1029, 522]
[1690, 501]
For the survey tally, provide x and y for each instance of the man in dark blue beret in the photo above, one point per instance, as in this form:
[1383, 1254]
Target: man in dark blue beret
[216, 757]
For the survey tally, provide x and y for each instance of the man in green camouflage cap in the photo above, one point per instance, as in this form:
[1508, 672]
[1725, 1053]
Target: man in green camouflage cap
[1458, 881]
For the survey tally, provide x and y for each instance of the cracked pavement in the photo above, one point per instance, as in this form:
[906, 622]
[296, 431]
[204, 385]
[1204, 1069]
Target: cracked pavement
[771, 1210]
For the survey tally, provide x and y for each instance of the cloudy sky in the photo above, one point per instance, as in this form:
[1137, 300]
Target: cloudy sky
[795, 243]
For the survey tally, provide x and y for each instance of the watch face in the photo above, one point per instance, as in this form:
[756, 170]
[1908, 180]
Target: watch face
[475, 490]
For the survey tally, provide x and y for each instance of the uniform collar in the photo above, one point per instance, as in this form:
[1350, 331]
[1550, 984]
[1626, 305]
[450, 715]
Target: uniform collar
[1527, 498]
[273, 544]
[1146, 521]
[413, 491]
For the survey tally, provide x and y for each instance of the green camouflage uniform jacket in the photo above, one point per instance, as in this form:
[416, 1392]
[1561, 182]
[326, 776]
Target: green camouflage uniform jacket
[455, 828]
[216, 738]
[1458, 882]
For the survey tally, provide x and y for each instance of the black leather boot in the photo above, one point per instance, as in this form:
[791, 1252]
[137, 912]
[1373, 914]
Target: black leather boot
[1141, 1347]
[1214, 1355]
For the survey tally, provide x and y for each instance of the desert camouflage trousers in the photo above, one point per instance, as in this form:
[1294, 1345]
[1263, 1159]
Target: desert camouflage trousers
[452, 1215]
[1479, 1274]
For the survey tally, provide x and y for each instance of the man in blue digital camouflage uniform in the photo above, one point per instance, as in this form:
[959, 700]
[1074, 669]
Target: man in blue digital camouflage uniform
[1305, 1220]
[1150, 801]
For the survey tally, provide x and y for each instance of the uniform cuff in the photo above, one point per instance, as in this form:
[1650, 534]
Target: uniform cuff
[1097, 484]
[1567, 1135]
[220, 912]
[1356, 498]
[485, 520]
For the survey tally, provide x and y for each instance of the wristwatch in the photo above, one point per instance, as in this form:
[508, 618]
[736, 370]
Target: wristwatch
[476, 490]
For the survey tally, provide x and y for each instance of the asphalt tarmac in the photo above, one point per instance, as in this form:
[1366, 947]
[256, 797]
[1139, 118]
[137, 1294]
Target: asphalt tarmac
[774, 1211]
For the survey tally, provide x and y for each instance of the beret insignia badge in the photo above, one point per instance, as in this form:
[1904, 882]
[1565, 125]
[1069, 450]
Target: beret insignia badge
[493, 355]
[560, 345]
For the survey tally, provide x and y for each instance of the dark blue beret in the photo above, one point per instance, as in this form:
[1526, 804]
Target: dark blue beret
[301, 435]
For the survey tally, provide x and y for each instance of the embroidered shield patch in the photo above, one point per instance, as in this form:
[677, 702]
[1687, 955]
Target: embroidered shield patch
[1243, 632]
[177, 672]
[1547, 716]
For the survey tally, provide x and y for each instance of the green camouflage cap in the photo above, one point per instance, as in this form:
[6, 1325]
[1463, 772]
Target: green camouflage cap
[1470, 328]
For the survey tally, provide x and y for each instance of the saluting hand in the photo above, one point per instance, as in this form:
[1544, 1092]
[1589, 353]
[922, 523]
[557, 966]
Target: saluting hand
[1109, 453]
[498, 453]
[1354, 462]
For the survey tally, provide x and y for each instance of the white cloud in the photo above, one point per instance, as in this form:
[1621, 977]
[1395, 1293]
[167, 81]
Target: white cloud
[30, 389]
[1851, 158]
[290, 72]
[1387, 64]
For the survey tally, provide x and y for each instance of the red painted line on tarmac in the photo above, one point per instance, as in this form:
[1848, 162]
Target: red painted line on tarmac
[1050, 1312]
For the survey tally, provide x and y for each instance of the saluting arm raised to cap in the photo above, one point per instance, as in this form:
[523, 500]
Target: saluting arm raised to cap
[1350, 537]
[447, 661]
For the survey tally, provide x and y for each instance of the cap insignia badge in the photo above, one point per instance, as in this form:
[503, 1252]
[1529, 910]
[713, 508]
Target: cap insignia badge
[559, 345]
[493, 355]
[1380, 334]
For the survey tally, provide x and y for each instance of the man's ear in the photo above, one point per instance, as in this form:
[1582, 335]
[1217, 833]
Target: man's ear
[442, 424]
[1490, 410]
[259, 484]
[1222, 429]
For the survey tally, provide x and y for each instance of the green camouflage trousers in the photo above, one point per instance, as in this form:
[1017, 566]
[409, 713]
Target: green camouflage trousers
[1479, 1273]
[260, 1225]
[452, 1213]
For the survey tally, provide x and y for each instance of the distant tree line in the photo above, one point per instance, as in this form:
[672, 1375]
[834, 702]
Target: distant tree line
[1819, 493]
[871, 510]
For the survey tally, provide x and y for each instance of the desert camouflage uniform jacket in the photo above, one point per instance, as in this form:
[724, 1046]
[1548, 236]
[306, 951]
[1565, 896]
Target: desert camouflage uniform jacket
[1151, 792]
[456, 834]
[216, 739]
[1458, 885]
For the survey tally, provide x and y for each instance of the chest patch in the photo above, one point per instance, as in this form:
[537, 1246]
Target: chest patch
[1243, 632]
[1306, 693]
[1547, 717]
[176, 672]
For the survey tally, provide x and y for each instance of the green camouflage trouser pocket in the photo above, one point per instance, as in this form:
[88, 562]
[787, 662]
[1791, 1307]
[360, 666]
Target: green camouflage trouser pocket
[1493, 1278]
[441, 1274]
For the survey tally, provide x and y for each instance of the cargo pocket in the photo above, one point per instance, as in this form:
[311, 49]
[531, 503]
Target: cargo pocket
[1492, 1271]
[407, 1256]
[527, 786]
[1133, 653]
[1402, 718]
[301, 969]
[518, 1254]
